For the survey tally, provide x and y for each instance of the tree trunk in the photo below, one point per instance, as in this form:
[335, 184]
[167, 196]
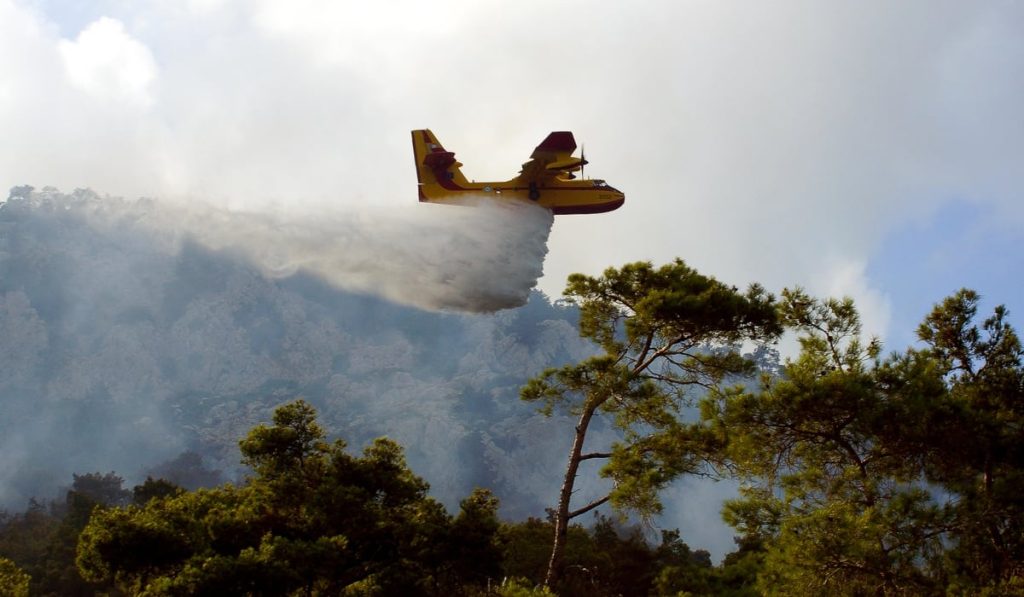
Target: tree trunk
[562, 512]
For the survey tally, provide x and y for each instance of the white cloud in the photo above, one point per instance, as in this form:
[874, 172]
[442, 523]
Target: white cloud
[205, 7]
[109, 64]
[350, 32]
[850, 279]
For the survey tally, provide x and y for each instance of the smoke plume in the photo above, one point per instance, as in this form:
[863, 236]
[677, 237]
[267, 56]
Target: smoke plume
[133, 330]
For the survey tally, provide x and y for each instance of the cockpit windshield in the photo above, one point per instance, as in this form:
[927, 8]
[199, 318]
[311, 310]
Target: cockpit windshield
[600, 184]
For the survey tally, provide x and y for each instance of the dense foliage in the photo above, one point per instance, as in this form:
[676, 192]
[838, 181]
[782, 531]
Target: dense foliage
[315, 520]
[312, 519]
[895, 475]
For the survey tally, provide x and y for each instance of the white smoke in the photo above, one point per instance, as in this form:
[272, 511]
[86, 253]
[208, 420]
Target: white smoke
[124, 340]
[480, 255]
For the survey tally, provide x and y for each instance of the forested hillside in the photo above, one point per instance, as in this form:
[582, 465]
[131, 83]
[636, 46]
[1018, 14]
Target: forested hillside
[124, 345]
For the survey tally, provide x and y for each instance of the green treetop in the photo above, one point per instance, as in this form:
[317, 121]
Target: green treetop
[883, 476]
[664, 331]
[313, 519]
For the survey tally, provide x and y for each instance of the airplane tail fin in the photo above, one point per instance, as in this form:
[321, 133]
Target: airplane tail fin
[435, 167]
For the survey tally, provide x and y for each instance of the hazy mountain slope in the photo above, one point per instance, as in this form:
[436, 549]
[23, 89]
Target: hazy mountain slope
[123, 344]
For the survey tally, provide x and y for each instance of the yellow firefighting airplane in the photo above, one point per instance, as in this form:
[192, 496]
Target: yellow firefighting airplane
[546, 179]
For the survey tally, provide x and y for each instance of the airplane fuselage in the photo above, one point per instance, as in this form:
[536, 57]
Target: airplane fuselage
[547, 183]
[561, 196]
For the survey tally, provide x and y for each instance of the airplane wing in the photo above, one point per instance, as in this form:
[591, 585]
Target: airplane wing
[552, 158]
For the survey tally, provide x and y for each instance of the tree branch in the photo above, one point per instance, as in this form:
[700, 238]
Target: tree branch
[647, 347]
[589, 506]
[596, 455]
[667, 348]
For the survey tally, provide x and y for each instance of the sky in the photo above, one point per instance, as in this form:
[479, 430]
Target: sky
[870, 149]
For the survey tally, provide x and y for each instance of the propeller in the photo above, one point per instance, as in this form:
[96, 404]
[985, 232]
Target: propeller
[583, 160]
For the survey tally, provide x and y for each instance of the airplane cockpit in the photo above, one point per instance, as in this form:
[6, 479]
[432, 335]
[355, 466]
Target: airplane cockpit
[600, 184]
